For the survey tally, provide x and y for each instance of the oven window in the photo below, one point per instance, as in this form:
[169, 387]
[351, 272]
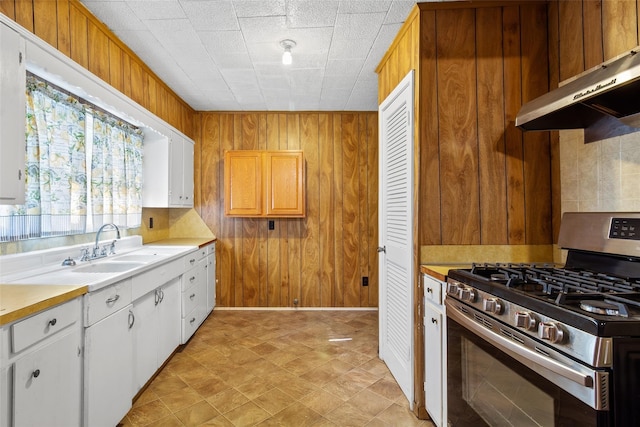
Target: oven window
[499, 395]
[486, 387]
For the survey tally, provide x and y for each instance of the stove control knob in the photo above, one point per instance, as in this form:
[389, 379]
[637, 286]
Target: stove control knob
[551, 331]
[493, 305]
[526, 320]
[467, 294]
[453, 288]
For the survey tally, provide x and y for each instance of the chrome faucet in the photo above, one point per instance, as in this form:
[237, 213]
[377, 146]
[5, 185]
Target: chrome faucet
[96, 248]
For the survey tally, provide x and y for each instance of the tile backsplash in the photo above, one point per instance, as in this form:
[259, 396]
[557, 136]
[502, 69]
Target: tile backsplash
[600, 176]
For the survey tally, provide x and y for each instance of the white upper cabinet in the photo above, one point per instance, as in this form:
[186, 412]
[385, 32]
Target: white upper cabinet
[167, 171]
[12, 116]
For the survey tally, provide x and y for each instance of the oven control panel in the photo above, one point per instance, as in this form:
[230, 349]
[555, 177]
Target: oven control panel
[625, 228]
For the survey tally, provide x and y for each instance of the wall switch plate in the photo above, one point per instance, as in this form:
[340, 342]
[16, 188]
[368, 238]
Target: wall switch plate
[365, 281]
[272, 224]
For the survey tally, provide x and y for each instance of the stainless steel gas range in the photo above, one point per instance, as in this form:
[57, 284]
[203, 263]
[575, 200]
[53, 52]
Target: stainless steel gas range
[549, 345]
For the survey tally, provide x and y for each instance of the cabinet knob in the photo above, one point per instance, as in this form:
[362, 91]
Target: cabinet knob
[192, 296]
[53, 322]
[434, 320]
[192, 320]
[429, 290]
[36, 373]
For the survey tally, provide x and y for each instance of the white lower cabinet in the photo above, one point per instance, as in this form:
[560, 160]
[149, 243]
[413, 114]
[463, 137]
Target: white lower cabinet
[211, 277]
[435, 351]
[196, 293]
[108, 369]
[156, 333]
[41, 368]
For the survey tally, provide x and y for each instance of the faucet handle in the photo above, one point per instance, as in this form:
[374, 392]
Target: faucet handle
[112, 250]
[84, 254]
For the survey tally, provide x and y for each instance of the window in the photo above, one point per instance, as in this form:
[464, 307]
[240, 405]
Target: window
[84, 169]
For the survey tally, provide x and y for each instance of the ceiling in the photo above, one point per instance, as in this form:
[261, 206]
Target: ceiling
[225, 55]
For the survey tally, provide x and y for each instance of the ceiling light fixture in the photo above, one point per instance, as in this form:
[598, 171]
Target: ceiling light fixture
[287, 44]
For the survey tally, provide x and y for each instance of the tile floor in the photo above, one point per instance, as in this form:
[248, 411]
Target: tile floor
[277, 368]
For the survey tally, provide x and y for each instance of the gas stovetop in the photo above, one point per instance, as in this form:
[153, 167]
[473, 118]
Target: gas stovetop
[596, 291]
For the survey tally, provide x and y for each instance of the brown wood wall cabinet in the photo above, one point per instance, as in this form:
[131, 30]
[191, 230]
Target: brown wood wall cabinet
[267, 184]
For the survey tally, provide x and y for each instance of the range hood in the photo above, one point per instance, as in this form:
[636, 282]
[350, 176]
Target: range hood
[610, 89]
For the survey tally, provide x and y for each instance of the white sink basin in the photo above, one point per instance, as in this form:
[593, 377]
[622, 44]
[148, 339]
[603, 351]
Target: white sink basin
[141, 258]
[108, 267]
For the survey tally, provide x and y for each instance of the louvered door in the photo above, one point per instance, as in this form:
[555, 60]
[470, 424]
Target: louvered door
[396, 234]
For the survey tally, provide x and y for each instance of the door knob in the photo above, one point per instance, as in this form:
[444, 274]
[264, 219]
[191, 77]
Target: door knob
[382, 249]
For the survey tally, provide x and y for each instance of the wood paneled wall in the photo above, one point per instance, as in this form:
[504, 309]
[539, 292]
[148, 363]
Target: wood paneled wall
[320, 259]
[481, 181]
[68, 26]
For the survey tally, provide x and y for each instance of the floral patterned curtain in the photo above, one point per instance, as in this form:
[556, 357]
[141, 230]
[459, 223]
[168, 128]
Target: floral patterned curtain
[116, 172]
[55, 179]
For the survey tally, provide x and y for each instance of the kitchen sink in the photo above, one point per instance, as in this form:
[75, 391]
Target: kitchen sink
[108, 267]
[141, 258]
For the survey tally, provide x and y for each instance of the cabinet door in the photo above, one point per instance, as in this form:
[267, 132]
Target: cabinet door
[145, 340]
[176, 195]
[211, 281]
[12, 116]
[108, 369]
[169, 320]
[285, 183]
[433, 363]
[47, 384]
[187, 173]
[243, 184]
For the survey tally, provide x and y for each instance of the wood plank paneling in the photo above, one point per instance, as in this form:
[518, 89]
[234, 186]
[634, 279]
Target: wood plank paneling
[592, 15]
[491, 142]
[311, 259]
[619, 27]
[570, 31]
[457, 123]
[24, 13]
[78, 35]
[98, 52]
[45, 21]
[8, 8]
[64, 35]
[116, 71]
[513, 135]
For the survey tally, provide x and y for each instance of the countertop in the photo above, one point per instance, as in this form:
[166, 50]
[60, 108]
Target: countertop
[184, 241]
[18, 301]
[440, 271]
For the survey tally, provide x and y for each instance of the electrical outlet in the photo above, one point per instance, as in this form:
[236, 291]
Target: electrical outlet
[365, 281]
[151, 222]
[272, 224]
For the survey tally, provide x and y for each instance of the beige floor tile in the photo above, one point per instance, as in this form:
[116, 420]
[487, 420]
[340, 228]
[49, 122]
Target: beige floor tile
[276, 368]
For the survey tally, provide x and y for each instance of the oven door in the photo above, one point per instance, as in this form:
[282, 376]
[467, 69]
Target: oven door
[492, 380]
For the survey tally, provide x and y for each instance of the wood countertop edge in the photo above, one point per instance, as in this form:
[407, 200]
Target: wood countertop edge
[440, 271]
[31, 300]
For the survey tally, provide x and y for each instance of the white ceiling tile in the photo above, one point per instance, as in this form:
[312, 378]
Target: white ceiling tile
[146, 10]
[116, 15]
[311, 13]
[358, 26]
[259, 29]
[251, 8]
[399, 11]
[223, 41]
[211, 16]
[363, 6]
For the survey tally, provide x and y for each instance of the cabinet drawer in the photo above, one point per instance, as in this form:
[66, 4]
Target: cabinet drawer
[191, 260]
[146, 282]
[193, 296]
[35, 328]
[102, 303]
[194, 275]
[432, 289]
[192, 321]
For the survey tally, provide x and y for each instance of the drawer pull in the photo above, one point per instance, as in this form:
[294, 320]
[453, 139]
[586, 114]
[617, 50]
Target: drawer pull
[192, 296]
[192, 320]
[36, 373]
[53, 322]
[434, 320]
[429, 290]
[132, 319]
[113, 299]
[192, 260]
[192, 278]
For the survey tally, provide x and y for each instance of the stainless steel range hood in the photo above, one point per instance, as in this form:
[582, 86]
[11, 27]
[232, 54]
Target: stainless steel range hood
[610, 89]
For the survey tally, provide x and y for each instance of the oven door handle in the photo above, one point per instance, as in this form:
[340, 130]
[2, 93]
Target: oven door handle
[522, 354]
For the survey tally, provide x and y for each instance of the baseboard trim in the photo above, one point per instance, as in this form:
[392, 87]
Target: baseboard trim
[295, 309]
